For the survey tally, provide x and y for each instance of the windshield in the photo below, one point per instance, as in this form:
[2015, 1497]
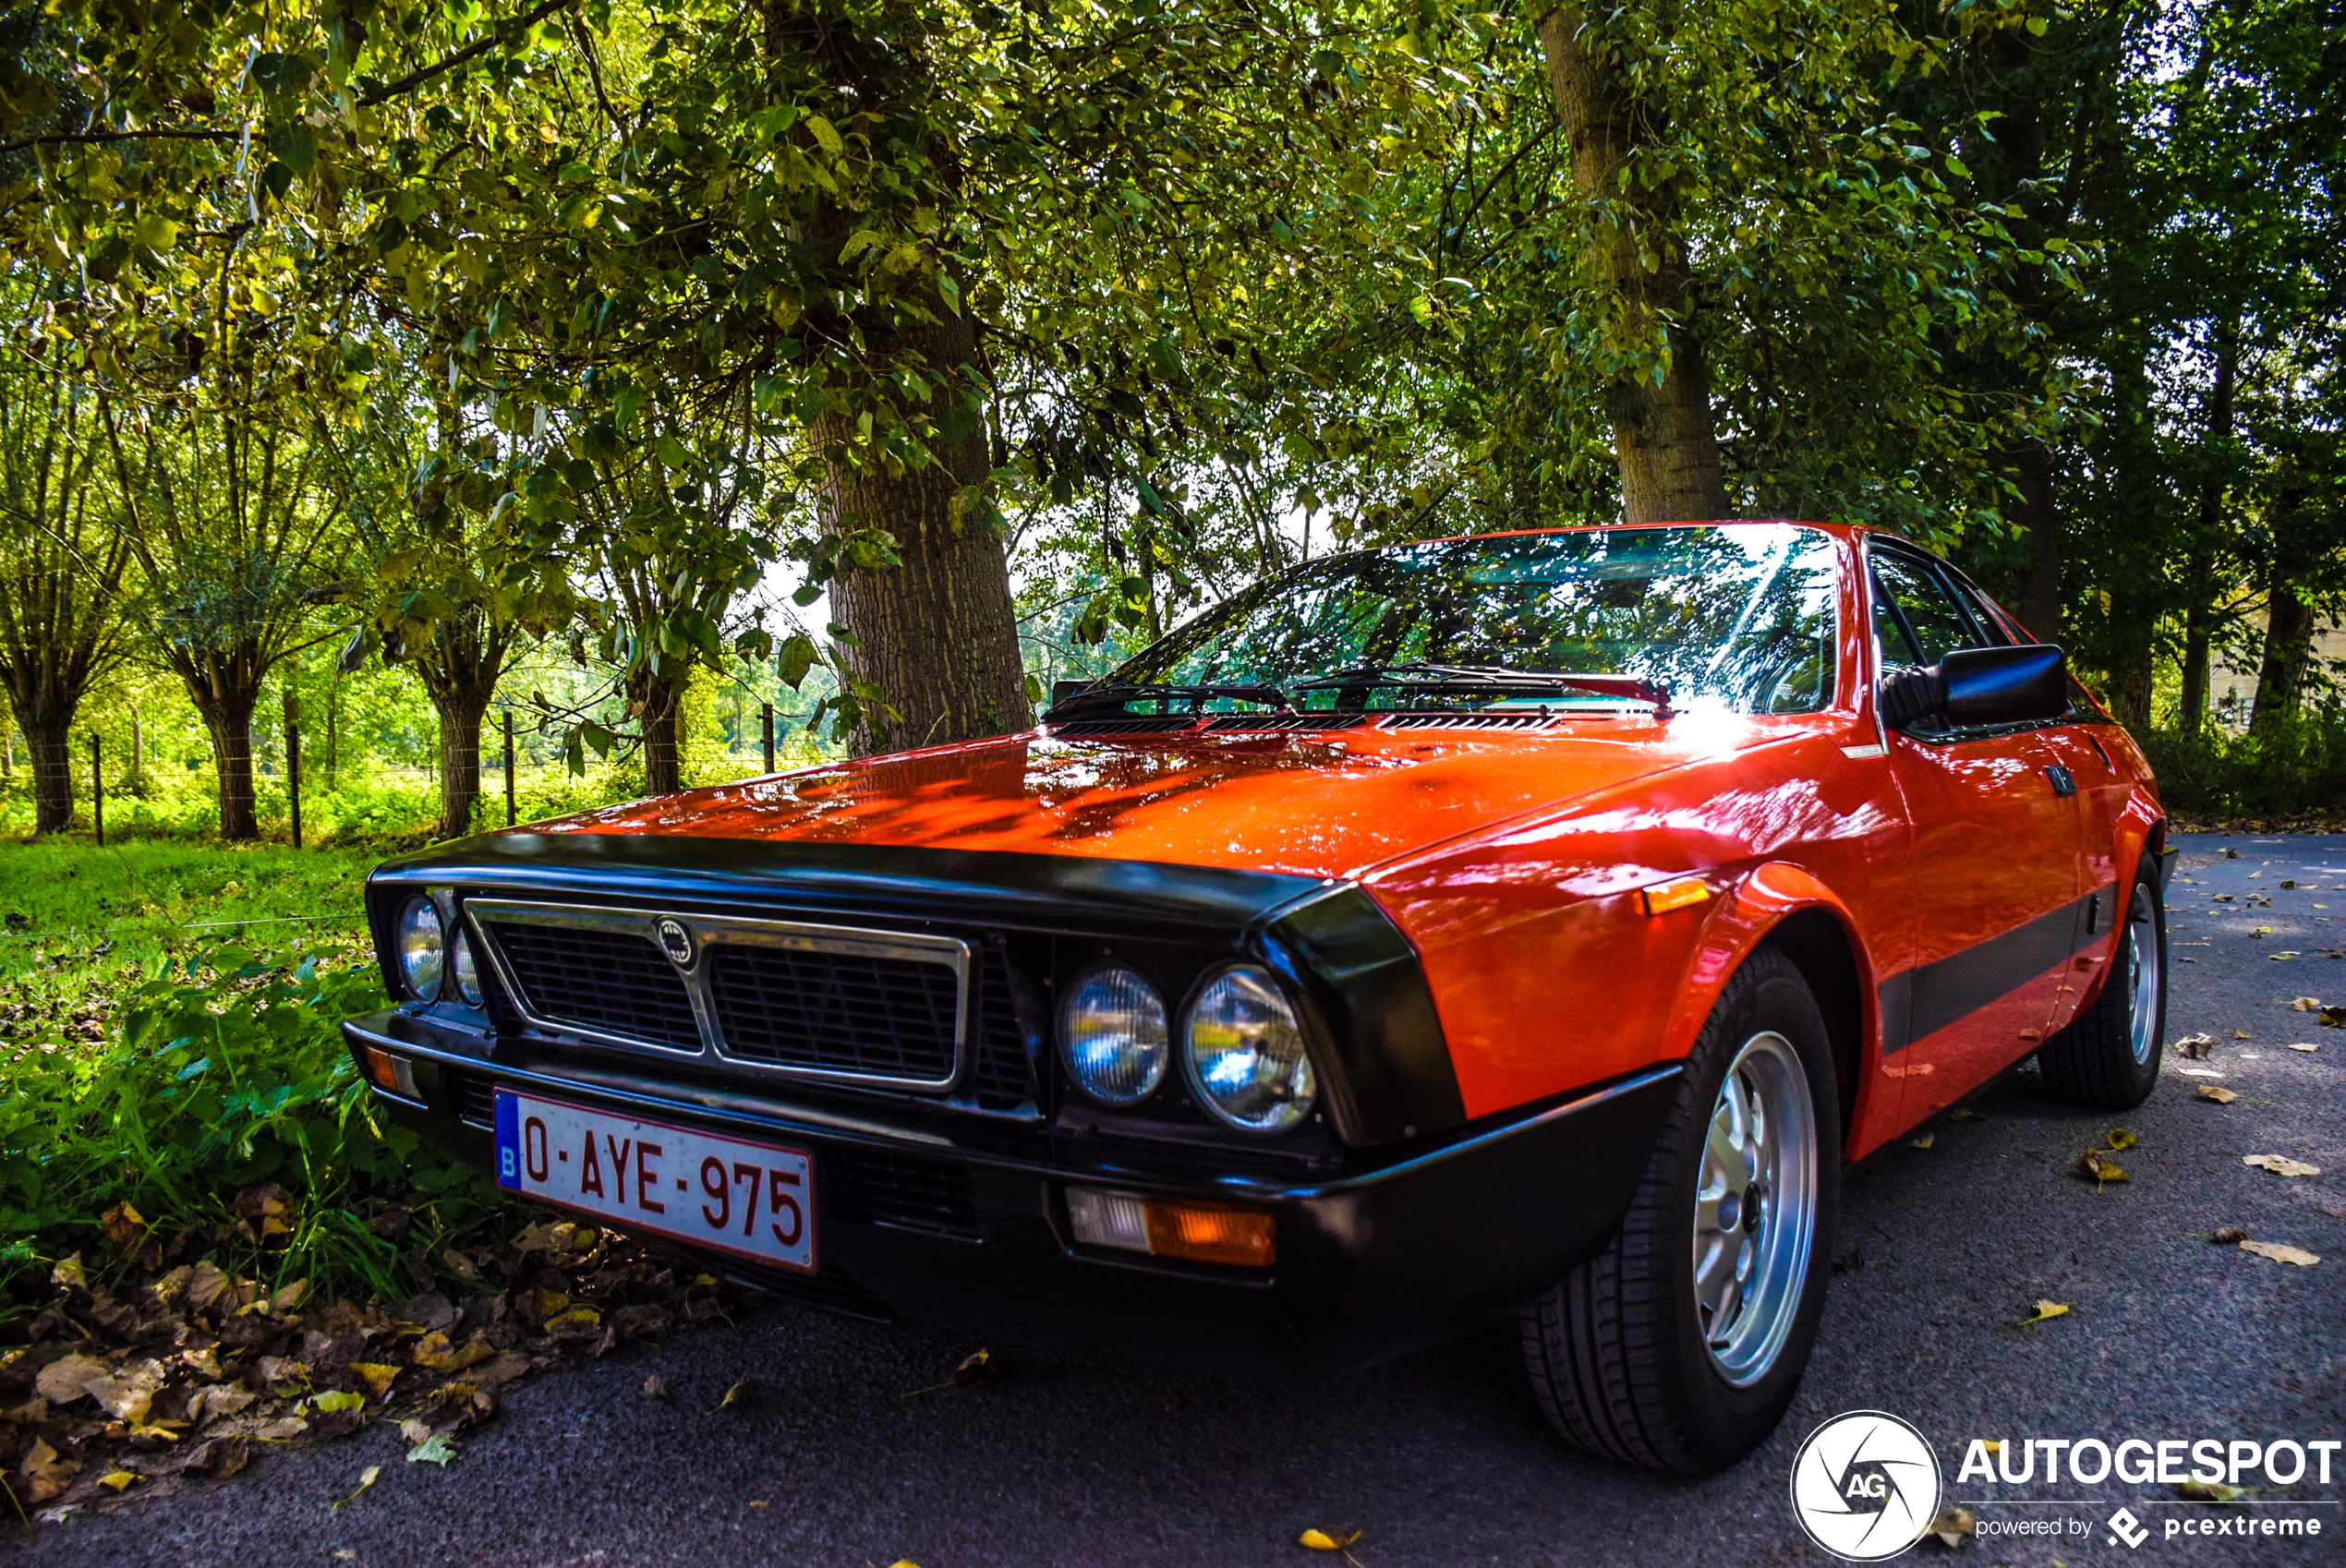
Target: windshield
[1735, 617]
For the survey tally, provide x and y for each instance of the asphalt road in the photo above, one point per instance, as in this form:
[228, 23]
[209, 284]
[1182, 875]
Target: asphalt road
[1441, 1458]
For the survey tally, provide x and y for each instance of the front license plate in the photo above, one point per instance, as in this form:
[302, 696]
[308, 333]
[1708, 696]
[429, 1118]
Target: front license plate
[755, 1199]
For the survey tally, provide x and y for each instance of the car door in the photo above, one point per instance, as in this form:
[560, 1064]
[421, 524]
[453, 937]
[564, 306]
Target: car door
[1991, 876]
[2102, 791]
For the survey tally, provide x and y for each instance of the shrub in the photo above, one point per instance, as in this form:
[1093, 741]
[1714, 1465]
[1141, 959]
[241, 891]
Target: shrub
[2289, 767]
[225, 1111]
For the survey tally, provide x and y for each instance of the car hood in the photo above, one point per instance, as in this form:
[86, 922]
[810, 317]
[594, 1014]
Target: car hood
[1312, 806]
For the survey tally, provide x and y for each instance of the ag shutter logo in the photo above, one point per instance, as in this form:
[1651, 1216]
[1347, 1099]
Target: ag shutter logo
[1864, 1485]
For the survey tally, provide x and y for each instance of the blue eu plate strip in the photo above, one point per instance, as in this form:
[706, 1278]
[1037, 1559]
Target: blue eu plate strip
[508, 1141]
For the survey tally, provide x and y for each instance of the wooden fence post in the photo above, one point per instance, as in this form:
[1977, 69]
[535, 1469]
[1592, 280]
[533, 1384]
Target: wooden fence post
[509, 767]
[770, 735]
[97, 790]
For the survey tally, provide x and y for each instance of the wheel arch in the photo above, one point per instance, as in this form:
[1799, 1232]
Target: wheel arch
[1785, 907]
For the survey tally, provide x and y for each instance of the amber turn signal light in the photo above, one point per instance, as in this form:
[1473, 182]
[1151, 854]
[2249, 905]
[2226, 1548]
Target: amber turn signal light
[1676, 893]
[395, 1074]
[1196, 1233]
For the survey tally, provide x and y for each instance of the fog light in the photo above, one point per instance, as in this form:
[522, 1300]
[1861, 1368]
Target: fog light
[396, 1074]
[1197, 1233]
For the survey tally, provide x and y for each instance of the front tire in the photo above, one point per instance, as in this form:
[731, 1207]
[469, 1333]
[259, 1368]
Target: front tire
[2109, 1054]
[1681, 1345]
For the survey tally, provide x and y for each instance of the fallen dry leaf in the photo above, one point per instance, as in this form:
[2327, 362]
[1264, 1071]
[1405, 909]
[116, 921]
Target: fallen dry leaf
[414, 1432]
[378, 1376]
[1926, 1140]
[366, 1477]
[2228, 1234]
[45, 1475]
[2192, 1047]
[121, 1481]
[2307, 1004]
[2280, 1164]
[2334, 1018]
[2098, 1169]
[2221, 1096]
[1953, 1526]
[221, 1456]
[2303, 1047]
[1965, 1114]
[2046, 1312]
[124, 1229]
[1321, 1541]
[2209, 1491]
[2280, 1252]
[655, 1388]
[733, 1395]
[61, 1381]
[434, 1450]
[2241, 1034]
[2121, 1139]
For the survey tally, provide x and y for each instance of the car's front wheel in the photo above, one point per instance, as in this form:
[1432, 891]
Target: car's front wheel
[1680, 1345]
[2109, 1054]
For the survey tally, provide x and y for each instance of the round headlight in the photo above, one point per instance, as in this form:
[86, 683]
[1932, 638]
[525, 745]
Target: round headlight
[1113, 1036]
[1246, 1058]
[421, 949]
[467, 973]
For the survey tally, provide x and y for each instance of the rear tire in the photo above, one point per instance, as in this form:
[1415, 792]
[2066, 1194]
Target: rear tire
[2109, 1055]
[1680, 1345]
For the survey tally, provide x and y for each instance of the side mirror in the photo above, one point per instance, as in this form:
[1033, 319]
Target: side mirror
[1973, 688]
[1062, 689]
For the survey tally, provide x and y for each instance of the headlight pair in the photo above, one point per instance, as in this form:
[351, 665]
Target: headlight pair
[428, 957]
[1242, 1050]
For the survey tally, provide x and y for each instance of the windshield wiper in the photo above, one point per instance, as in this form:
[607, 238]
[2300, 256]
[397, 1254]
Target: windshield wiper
[1418, 677]
[1116, 694]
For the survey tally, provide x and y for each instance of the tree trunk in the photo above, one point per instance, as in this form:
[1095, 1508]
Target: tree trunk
[937, 635]
[660, 704]
[2200, 615]
[228, 715]
[459, 666]
[1663, 435]
[2038, 602]
[48, 739]
[2288, 620]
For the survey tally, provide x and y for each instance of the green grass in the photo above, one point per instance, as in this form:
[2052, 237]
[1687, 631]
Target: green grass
[169, 1038]
[77, 922]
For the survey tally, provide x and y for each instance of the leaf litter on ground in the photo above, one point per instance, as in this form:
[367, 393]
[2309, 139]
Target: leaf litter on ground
[193, 1367]
[2280, 1164]
[2046, 1312]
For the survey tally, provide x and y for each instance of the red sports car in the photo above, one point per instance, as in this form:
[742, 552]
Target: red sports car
[1527, 924]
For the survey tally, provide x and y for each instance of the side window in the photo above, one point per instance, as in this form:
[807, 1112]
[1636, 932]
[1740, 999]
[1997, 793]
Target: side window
[1930, 623]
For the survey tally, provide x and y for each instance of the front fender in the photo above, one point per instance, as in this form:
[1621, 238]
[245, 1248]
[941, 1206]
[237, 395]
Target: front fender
[1736, 924]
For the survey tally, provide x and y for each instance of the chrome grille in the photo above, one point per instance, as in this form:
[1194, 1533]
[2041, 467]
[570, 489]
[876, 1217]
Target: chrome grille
[608, 982]
[878, 1008]
[842, 1012]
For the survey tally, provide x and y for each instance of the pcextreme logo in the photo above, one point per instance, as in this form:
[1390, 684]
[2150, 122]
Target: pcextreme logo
[1864, 1485]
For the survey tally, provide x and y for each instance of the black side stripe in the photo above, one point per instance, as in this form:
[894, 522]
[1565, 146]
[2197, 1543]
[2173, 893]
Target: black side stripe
[1926, 999]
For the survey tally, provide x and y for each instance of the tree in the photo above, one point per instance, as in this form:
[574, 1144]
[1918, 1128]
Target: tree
[62, 556]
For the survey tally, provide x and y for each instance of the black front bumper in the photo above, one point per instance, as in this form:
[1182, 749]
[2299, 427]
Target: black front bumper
[965, 1225]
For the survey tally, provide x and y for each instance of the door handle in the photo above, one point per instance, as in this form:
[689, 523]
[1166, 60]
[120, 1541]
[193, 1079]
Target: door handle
[2064, 784]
